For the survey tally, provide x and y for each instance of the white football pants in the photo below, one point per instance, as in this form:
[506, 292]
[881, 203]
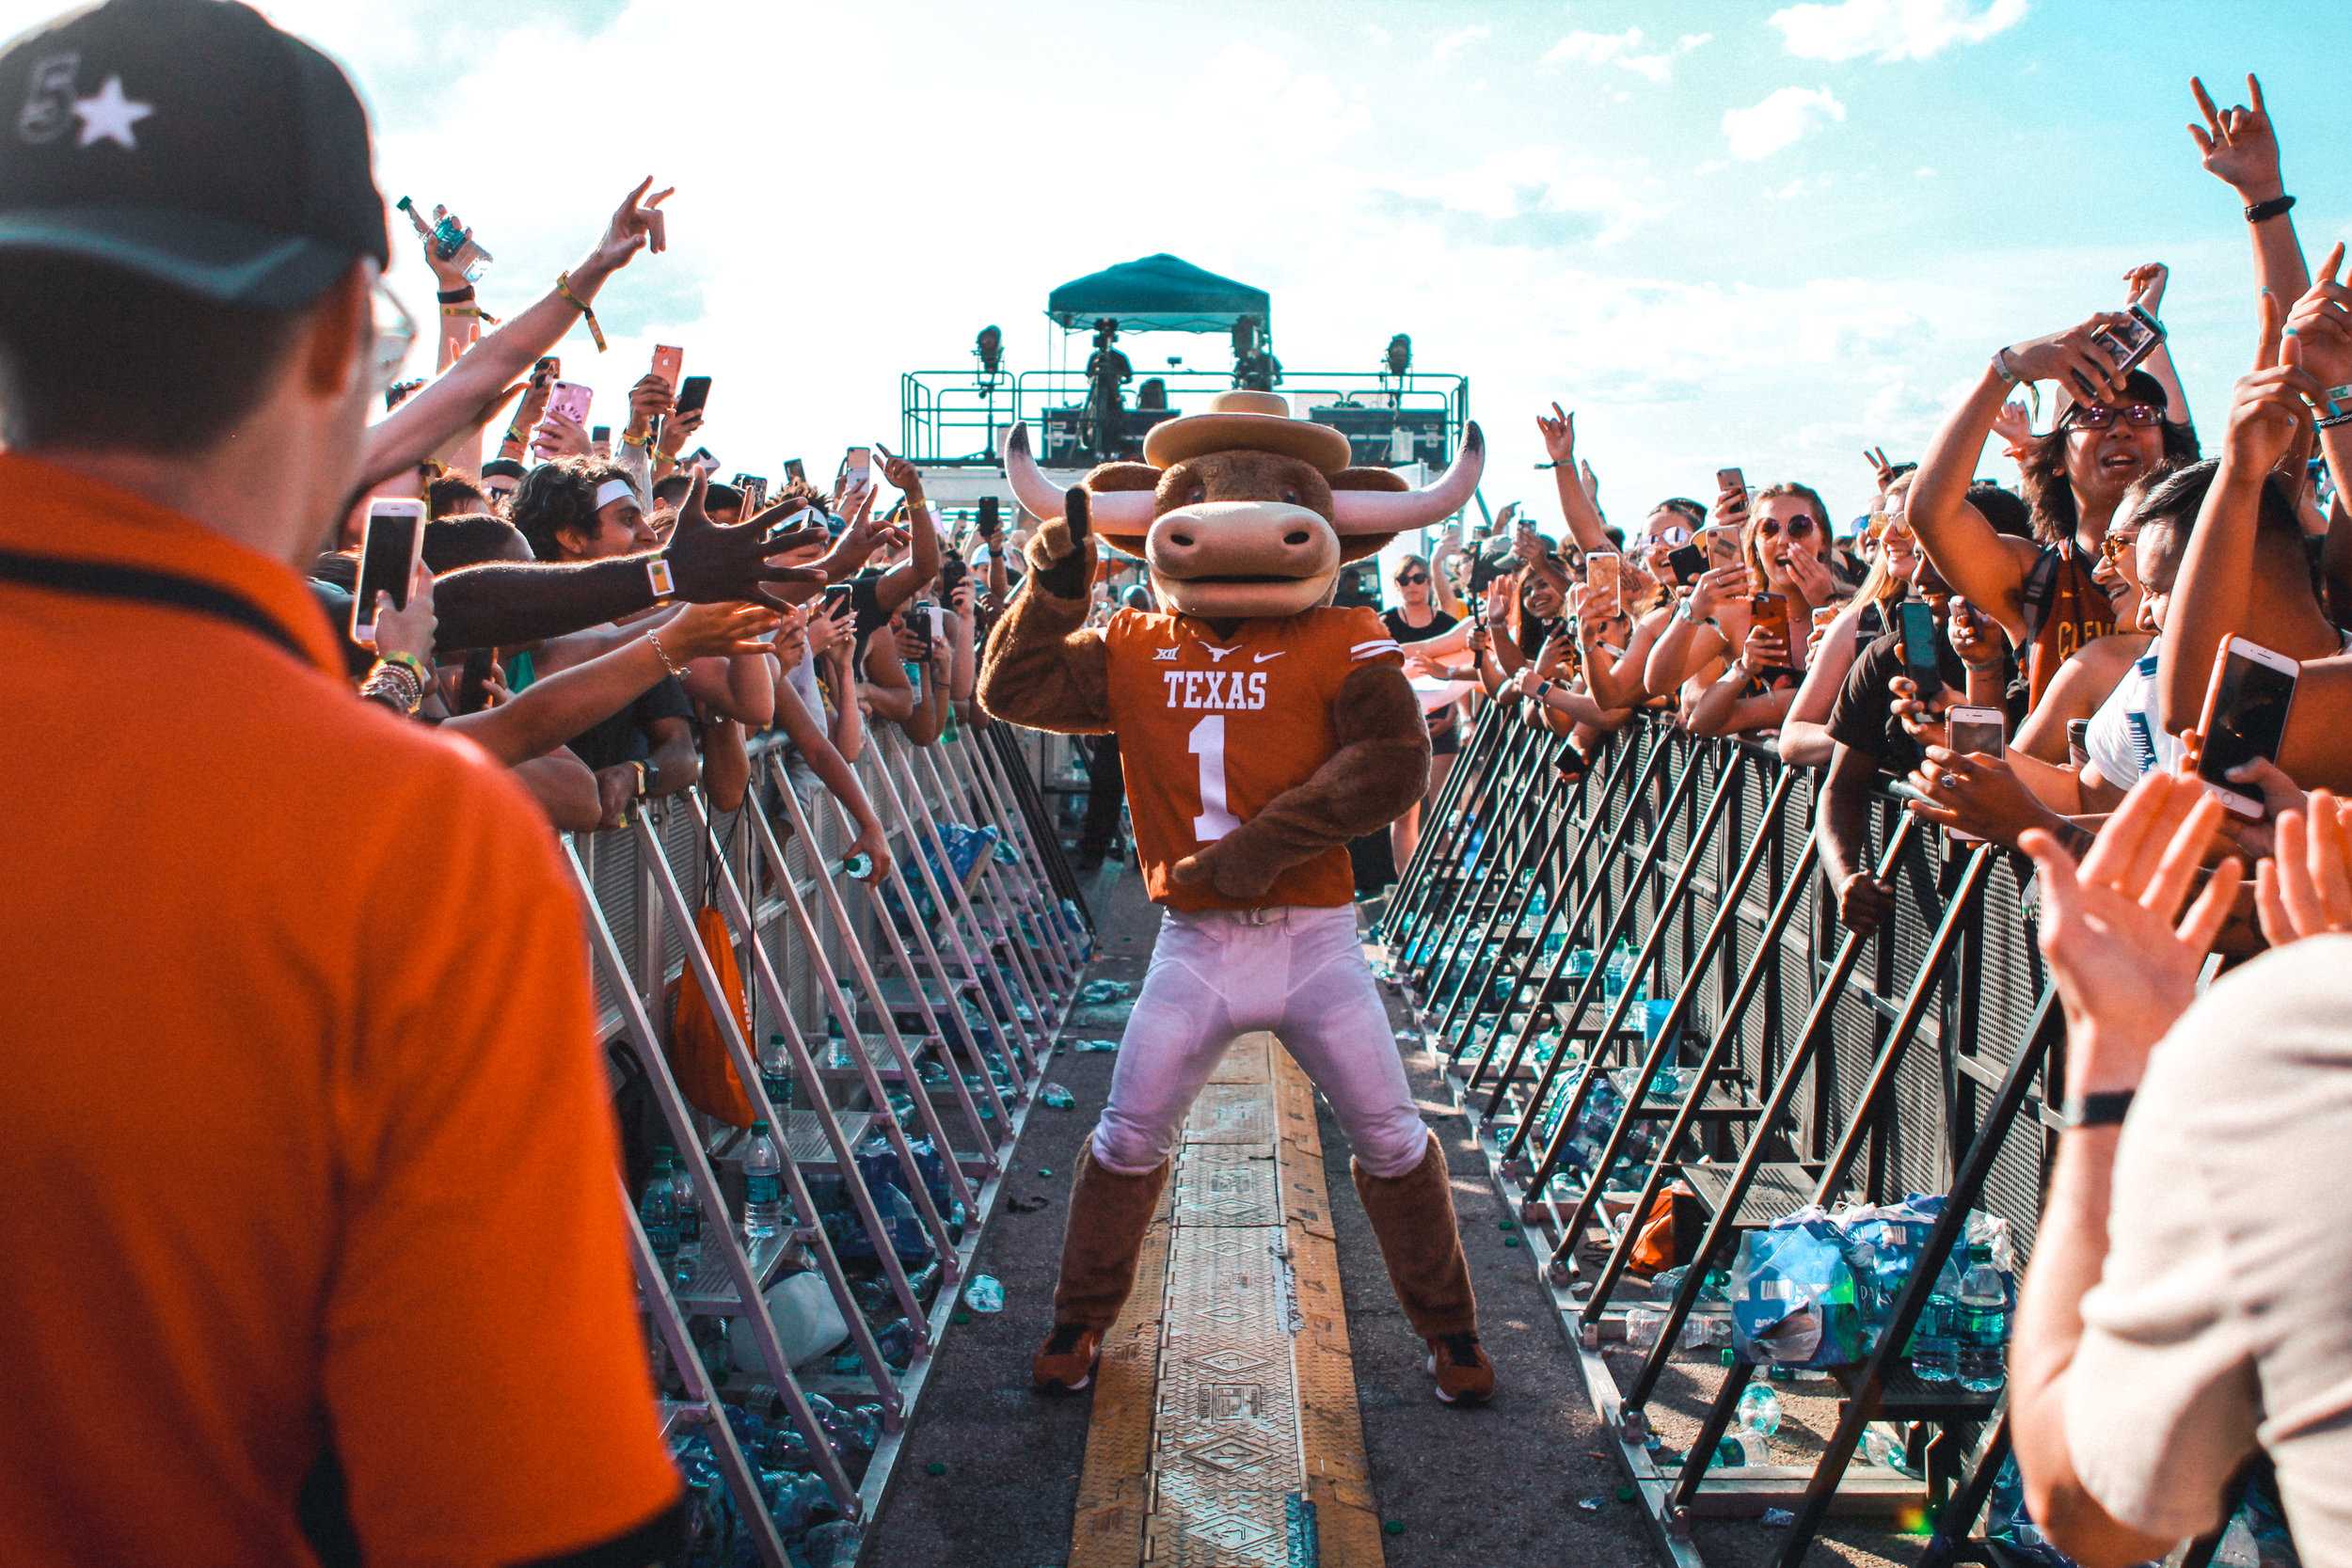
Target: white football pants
[1218, 975]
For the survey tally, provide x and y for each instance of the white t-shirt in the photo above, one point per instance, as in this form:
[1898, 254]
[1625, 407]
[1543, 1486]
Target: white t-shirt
[2125, 739]
[2222, 1319]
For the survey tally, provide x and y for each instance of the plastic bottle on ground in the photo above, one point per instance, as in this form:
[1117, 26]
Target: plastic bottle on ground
[656, 1211]
[690, 1215]
[984, 1295]
[1984, 1337]
[1759, 1408]
[775, 1072]
[763, 1185]
[1738, 1448]
[1934, 1351]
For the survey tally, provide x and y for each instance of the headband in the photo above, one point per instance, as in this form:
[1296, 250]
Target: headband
[615, 490]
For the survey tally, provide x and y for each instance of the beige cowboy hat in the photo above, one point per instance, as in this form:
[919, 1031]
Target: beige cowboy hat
[1246, 421]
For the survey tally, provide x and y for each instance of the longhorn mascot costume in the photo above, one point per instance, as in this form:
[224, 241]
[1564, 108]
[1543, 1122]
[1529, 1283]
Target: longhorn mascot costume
[1260, 729]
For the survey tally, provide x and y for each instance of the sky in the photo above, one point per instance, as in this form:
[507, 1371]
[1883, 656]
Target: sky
[1723, 234]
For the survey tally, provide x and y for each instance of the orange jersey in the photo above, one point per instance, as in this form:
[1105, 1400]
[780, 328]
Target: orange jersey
[1211, 729]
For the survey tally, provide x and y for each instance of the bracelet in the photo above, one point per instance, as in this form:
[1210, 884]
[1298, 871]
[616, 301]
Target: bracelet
[394, 684]
[646, 441]
[2332, 421]
[2096, 1110]
[454, 296]
[2262, 212]
[663, 654]
[2000, 366]
[411, 663]
[564, 287]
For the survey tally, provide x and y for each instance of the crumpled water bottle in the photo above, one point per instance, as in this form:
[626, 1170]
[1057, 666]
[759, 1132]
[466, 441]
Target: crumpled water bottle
[1057, 1098]
[829, 1546]
[1759, 1408]
[984, 1295]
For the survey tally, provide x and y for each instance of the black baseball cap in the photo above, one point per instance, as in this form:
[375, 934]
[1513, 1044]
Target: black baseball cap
[191, 142]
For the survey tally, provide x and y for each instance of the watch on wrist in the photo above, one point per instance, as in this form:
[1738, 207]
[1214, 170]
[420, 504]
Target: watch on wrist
[2105, 1109]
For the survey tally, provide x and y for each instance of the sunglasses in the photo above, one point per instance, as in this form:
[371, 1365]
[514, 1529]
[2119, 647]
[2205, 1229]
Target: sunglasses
[2098, 416]
[2116, 547]
[1800, 526]
[1411, 579]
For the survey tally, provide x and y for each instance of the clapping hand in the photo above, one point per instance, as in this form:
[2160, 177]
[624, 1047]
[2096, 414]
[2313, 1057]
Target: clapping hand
[2125, 955]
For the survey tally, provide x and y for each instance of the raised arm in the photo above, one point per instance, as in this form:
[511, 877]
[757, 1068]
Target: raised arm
[410, 432]
[2239, 147]
[1044, 667]
[1576, 503]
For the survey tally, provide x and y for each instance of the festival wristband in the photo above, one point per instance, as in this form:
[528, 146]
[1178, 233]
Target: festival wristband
[2096, 1110]
[657, 575]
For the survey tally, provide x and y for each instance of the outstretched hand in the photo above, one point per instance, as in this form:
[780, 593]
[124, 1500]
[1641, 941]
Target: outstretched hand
[2124, 954]
[638, 224]
[1559, 432]
[711, 561]
[2237, 144]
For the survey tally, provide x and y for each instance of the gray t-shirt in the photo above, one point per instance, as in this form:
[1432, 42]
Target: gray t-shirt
[2222, 1319]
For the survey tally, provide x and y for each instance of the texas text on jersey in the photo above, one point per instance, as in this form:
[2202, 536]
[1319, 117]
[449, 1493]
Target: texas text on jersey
[1212, 728]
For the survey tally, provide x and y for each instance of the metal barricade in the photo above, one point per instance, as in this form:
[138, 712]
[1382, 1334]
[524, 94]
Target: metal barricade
[1749, 1058]
[900, 1029]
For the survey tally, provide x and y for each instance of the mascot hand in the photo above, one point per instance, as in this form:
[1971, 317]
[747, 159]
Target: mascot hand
[1233, 876]
[1062, 552]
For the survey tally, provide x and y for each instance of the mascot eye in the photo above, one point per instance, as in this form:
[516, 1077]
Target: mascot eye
[1290, 497]
[1194, 495]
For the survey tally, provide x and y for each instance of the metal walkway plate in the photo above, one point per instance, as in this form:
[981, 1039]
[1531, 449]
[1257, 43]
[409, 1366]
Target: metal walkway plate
[1226, 1433]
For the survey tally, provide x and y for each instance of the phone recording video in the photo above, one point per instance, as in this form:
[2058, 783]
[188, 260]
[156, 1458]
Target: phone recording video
[1603, 586]
[668, 362]
[1730, 482]
[2244, 718]
[692, 393]
[571, 400]
[1723, 545]
[857, 464]
[389, 553]
[922, 629]
[990, 517]
[1916, 619]
[2138, 336]
[1977, 730]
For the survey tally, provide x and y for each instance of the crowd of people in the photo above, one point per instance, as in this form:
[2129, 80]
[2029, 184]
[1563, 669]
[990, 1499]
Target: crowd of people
[421, 1137]
[2049, 667]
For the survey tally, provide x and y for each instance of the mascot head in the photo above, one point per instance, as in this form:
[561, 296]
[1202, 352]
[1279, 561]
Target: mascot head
[1242, 512]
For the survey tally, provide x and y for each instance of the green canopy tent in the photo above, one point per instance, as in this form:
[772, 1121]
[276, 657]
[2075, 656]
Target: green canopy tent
[1159, 293]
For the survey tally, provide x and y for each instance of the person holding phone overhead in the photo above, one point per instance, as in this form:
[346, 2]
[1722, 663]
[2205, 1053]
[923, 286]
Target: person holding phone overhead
[1414, 618]
[1732, 647]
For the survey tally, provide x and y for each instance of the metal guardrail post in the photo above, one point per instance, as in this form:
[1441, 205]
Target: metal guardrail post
[1018, 886]
[1426, 851]
[1449, 876]
[718, 1225]
[1032, 886]
[1530, 856]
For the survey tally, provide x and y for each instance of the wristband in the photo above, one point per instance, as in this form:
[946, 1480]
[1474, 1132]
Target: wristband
[664, 586]
[514, 436]
[2332, 421]
[2000, 366]
[409, 662]
[454, 296]
[644, 441]
[2096, 1110]
[2262, 212]
[564, 287]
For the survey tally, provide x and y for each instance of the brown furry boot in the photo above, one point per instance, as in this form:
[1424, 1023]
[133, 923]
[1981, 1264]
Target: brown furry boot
[1109, 1212]
[1413, 1216]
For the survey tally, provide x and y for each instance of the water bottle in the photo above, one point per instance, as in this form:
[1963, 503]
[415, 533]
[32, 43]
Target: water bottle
[775, 1072]
[860, 867]
[1738, 1448]
[1983, 1323]
[1934, 1351]
[1759, 1409]
[763, 1185]
[836, 1045]
[657, 1210]
[689, 1213]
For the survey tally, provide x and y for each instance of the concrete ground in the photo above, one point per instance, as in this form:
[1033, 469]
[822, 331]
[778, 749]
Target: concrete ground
[1490, 1488]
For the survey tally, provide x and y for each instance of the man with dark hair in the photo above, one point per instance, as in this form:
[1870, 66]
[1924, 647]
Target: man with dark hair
[297, 1280]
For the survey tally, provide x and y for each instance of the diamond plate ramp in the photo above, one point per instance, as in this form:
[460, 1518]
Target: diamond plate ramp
[1221, 1184]
[1231, 1113]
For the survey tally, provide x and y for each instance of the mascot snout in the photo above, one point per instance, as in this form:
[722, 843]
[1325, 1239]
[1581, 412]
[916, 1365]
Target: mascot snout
[1242, 557]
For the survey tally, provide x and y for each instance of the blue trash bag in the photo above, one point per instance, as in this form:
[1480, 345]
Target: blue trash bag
[2007, 1521]
[1794, 1300]
[878, 1162]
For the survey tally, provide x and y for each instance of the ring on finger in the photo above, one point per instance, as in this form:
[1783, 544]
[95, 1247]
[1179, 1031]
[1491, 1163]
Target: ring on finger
[1948, 781]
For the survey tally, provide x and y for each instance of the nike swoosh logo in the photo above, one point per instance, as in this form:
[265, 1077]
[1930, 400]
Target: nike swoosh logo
[1261, 659]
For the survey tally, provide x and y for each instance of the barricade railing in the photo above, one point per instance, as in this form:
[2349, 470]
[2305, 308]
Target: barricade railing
[1637, 982]
[916, 1013]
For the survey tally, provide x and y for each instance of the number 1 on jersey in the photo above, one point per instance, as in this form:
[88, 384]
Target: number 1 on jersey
[1207, 742]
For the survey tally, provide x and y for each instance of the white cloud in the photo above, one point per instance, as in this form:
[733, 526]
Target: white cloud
[1891, 29]
[1379, 34]
[1784, 116]
[1454, 42]
[1623, 50]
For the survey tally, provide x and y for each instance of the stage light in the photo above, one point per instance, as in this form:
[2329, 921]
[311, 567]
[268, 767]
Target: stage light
[990, 346]
[1400, 354]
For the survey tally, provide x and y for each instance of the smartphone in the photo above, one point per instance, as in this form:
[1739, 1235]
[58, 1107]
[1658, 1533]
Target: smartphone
[858, 464]
[835, 595]
[1730, 480]
[1915, 622]
[601, 438]
[921, 626]
[754, 492]
[550, 366]
[692, 393]
[1977, 730]
[1723, 545]
[2078, 743]
[1770, 613]
[2245, 717]
[952, 570]
[1601, 583]
[389, 553]
[2139, 336]
[990, 519]
[474, 686]
[668, 362]
[571, 400]
[795, 471]
[1688, 563]
[1825, 617]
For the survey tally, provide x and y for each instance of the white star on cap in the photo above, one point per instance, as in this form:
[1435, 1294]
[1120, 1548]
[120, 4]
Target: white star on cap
[109, 116]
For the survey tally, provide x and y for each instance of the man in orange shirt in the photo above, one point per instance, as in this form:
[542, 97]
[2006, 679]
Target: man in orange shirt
[311, 1246]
